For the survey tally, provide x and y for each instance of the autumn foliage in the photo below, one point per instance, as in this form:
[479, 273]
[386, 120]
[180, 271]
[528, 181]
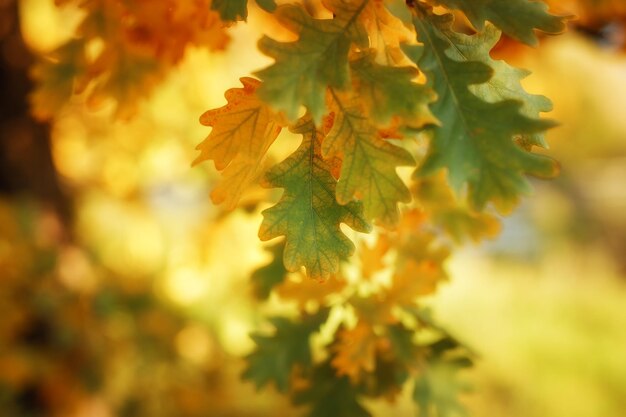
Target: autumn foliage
[407, 130]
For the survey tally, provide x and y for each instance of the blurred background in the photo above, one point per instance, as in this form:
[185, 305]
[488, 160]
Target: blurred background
[124, 291]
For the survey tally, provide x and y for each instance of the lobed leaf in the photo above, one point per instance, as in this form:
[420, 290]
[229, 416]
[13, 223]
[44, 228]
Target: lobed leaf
[516, 18]
[243, 130]
[355, 351]
[475, 139]
[414, 279]
[372, 258]
[386, 32]
[505, 84]
[368, 170]
[388, 93]
[308, 214]
[318, 59]
[267, 5]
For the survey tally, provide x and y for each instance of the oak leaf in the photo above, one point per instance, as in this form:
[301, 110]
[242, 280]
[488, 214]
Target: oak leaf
[388, 93]
[402, 344]
[516, 18]
[414, 240]
[505, 84]
[355, 351]
[474, 149]
[231, 10]
[368, 169]
[243, 130]
[127, 48]
[308, 214]
[386, 32]
[317, 60]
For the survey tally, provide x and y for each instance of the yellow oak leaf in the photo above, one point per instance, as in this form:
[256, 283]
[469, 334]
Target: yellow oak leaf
[368, 171]
[243, 131]
[386, 33]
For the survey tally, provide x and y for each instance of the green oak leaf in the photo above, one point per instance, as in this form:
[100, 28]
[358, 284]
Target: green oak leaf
[505, 84]
[275, 356]
[516, 18]
[329, 395]
[475, 141]
[389, 92]
[308, 214]
[368, 171]
[234, 10]
[318, 59]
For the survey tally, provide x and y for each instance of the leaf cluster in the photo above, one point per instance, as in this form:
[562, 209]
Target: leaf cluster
[120, 51]
[364, 334]
[370, 87]
[383, 85]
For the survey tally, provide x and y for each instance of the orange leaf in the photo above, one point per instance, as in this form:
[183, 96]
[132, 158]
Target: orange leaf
[243, 131]
[413, 280]
[355, 353]
[386, 33]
